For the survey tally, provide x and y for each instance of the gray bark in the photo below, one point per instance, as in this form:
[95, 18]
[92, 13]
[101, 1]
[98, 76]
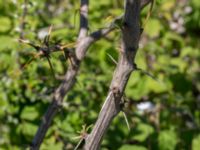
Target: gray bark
[84, 41]
[130, 39]
[120, 78]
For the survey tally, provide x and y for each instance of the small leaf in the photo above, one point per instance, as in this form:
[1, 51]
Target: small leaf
[5, 24]
[144, 130]
[153, 28]
[167, 140]
[29, 113]
[28, 129]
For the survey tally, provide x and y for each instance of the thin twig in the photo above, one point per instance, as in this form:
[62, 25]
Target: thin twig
[126, 120]
[79, 143]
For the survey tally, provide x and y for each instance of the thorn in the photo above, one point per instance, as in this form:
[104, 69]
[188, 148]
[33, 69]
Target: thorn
[27, 63]
[90, 126]
[69, 45]
[68, 56]
[47, 37]
[24, 41]
[148, 74]
[83, 135]
[66, 53]
[50, 29]
[149, 13]
[79, 143]
[29, 43]
[126, 120]
[30, 60]
[76, 137]
[113, 60]
[51, 67]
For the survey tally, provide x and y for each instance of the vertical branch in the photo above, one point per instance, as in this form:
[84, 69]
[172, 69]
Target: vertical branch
[129, 45]
[23, 22]
[83, 19]
[83, 43]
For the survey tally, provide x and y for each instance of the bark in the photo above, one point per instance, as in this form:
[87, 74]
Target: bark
[130, 39]
[84, 41]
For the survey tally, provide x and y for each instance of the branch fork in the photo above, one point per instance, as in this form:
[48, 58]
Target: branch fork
[111, 107]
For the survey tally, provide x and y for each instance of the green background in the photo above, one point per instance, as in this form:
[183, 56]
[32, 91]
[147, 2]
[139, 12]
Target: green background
[169, 51]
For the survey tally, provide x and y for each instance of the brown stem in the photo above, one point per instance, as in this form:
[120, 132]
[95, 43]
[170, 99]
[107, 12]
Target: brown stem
[67, 83]
[129, 45]
[83, 43]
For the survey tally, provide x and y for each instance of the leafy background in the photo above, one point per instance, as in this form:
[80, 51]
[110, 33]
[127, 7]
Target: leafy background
[163, 114]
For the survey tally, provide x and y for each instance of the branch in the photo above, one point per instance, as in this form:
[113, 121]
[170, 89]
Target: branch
[83, 43]
[83, 19]
[66, 85]
[23, 22]
[93, 37]
[125, 65]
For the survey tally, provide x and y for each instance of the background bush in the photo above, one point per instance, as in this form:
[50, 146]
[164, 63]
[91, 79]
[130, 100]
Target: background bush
[163, 113]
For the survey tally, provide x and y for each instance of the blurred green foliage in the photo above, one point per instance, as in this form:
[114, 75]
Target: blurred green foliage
[169, 50]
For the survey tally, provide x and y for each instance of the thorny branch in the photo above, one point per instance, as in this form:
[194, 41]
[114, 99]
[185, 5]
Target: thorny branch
[83, 42]
[130, 38]
[82, 45]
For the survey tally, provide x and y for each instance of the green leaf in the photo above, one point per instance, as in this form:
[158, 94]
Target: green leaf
[5, 24]
[29, 113]
[153, 28]
[7, 42]
[196, 3]
[136, 87]
[28, 129]
[143, 130]
[196, 143]
[166, 6]
[51, 144]
[189, 51]
[167, 140]
[3, 104]
[132, 147]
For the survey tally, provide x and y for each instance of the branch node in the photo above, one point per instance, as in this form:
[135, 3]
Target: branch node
[125, 24]
[116, 92]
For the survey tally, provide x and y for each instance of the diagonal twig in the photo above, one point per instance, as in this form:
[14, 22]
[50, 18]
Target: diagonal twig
[65, 86]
